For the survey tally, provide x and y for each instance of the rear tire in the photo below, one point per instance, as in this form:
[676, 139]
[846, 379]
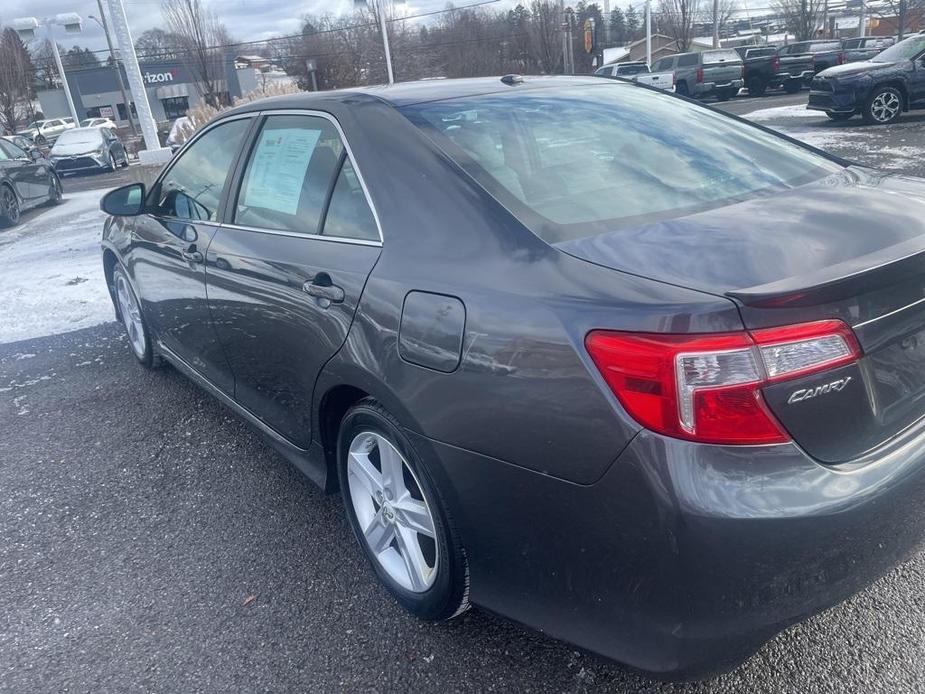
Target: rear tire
[55, 191]
[757, 86]
[681, 89]
[427, 574]
[792, 86]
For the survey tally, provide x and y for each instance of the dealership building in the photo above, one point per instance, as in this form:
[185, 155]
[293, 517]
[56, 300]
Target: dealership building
[171, 86]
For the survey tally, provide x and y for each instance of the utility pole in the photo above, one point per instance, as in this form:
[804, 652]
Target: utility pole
[649, 33]
[118, 68]
[825, 20]
[715, 23]
[862, 29]
[385, 41]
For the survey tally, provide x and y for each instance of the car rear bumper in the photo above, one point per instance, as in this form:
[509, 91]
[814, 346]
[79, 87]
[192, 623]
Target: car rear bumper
[683, 558]
[783, 77]
[713, 87]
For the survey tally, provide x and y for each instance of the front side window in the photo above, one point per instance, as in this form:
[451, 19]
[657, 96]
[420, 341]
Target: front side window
[577, 161]
[193, 186]
[12, 151]
[289, 174]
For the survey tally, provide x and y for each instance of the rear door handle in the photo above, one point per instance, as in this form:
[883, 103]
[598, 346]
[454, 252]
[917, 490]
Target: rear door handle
[322, 288]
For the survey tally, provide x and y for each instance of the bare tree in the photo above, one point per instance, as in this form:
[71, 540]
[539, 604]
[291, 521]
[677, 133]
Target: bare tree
[801, 17]
[15, 80]
[157, 44]
[545, 35]
[724, 10]
[677, 19]
[202, 39]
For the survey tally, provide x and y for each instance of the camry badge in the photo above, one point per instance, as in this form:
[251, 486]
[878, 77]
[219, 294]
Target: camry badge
[807, 393]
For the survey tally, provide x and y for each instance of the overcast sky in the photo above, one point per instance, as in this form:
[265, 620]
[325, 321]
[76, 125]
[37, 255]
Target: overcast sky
[247, 20]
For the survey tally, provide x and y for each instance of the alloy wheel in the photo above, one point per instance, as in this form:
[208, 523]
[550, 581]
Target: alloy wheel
[393, 514]
[885, 106]
[131, 315]
[55, 194]
[9, 205]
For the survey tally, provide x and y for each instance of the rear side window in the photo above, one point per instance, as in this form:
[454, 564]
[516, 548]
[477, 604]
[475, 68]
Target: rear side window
[193, 186]
[573, 162]
[627, 70]
[688, 60]
[664, 64]
[289, 174]
[300, 179]
[348, 214]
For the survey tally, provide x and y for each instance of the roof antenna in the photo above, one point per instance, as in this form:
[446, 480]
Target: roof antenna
[511, 80]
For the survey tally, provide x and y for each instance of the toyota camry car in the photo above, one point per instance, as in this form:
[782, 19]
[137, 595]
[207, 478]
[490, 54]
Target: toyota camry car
[623, 368]
[82, 149]
[27, 179]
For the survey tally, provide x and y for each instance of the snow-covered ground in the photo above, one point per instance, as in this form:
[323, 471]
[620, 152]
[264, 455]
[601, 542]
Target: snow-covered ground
[52, 273]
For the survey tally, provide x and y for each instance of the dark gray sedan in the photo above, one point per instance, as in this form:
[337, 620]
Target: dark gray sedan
[27, 179]
[628, 370]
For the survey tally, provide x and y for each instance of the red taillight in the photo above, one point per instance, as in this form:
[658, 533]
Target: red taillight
[707, 388]
[841, 59]
[775, 64]
[699, 75]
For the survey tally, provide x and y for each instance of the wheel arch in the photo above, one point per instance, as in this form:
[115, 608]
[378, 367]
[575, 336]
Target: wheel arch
[896, 84]
[338, 388]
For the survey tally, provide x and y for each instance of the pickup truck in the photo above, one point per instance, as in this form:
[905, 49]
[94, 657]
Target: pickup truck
[638, 72]
[762, 69]
[804, 59]
[715, 73]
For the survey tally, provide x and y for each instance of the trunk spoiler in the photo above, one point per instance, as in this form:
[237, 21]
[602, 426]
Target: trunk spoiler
[866, 273]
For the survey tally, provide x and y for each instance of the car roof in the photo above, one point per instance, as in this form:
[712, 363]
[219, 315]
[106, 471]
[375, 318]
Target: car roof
[407, 93]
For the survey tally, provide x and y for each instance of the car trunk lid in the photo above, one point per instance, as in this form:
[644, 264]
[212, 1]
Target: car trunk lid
[850, 247]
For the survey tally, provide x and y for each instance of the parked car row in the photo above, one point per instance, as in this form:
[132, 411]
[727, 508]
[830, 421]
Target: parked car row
[95, 146]
[27, 179]
[720, 73]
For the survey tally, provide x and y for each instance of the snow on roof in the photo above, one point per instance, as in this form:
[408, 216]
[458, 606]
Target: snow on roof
[612, 55]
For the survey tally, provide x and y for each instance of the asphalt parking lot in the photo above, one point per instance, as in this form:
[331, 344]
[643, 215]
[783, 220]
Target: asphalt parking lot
[152, 542]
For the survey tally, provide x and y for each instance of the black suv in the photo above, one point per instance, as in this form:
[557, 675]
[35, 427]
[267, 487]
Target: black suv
[879, 89]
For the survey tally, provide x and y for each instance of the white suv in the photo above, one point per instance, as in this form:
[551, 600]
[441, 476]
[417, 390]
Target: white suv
[42, 131]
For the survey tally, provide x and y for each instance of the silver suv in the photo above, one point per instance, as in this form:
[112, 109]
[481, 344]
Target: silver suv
[716, 73]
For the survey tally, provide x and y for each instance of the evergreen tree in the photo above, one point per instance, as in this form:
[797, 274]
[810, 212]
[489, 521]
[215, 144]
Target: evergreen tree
[617, 26]
[632, 23]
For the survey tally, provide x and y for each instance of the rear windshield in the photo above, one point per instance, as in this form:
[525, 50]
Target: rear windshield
[571, 162]
[827, 46]
[635, 69]
[727, 56]
[904, 50]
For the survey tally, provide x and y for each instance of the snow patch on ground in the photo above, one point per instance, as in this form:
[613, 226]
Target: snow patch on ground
[780, 112]
[52, 271]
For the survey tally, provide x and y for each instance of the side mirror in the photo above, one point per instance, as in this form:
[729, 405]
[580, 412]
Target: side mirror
[127, 201]
[36, 155]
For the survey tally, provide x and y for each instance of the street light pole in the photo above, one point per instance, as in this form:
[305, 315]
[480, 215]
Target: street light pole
[115, 64]
[862, 31]
[715, 23]
[153, 152]
[649, 33]
[67, 89]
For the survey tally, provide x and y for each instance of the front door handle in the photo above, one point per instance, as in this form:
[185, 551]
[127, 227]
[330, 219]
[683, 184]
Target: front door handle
[191, 254]
[322, 288]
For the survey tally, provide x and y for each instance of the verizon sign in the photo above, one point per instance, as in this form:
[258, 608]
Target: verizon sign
[159, 77]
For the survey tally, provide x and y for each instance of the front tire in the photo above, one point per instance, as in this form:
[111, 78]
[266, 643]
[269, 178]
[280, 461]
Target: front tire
[129, 312]
[883, 107]
[55, 191]
[398, 516]
[9, 207]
